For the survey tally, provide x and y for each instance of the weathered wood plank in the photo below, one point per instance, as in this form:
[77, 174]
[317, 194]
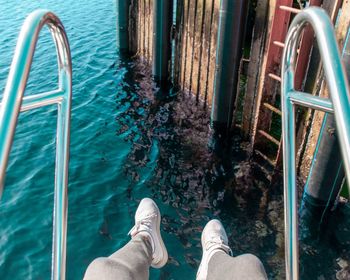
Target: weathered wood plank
[269, 87]
[212, 58]
[190, 41]
[199, 47]
[141, 28]
[179, 29]
[208, 47]
[201, 56]
[254, 66]
[133, 27]
[185, 43]
[197, 44]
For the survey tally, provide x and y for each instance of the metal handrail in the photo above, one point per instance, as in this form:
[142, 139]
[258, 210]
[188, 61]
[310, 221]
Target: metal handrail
[339, 104]
[13, 102]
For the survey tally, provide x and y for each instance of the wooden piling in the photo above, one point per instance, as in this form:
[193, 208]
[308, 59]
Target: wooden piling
[196, 39]
[257, 52]
[134, 27]
[141, 28]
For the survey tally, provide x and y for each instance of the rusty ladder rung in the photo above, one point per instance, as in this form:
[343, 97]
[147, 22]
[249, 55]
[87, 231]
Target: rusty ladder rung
[278, 44]
[275, 77]
[269, 137]
[281, 45]
[265, 157]
[290, 9]
[272, 108]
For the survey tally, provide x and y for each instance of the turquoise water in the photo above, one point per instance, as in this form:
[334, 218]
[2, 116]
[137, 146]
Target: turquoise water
[126, 144]
[97, 154]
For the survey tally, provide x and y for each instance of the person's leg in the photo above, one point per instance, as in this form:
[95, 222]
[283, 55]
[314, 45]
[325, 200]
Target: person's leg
[218, 264]
[130, 262]
[223, 266]
[145, 249]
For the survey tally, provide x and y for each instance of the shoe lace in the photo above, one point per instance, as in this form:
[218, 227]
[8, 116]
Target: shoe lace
[218, 241]
[142, 225]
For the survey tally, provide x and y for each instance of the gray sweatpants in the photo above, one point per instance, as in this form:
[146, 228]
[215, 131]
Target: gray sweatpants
[132, 262]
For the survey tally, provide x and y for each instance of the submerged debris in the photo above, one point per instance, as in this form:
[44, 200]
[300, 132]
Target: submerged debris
[344, 273]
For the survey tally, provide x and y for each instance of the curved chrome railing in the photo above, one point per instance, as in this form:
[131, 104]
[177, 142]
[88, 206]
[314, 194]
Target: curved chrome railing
[339, 104]
[13, 102]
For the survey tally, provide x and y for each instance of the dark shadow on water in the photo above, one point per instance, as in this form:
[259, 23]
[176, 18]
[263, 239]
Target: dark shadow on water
[193, 176]
[325, 242]
[173, 159]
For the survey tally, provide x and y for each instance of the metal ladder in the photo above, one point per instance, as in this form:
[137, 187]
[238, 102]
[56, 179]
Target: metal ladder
[262, 130]
[13, 102]
[339, 104]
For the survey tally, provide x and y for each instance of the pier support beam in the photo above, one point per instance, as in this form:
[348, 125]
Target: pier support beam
[326, 173]
[123, 24]
[232, 23]
[323, 183]
[162, 22]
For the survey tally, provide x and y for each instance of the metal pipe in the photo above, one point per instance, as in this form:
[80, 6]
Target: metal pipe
[40, 100]
[162, 22]
[232, 23]
[123, 24]
[11, 106]
[310, 101]
[339, 91]
[321, 192]
[327, 161]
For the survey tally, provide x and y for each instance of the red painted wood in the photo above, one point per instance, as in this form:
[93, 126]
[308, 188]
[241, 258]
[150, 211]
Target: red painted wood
[278, 33]
[304, 52]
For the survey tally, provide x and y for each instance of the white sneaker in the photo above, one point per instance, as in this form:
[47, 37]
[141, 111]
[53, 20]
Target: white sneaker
[214, 239]
[147, 223]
